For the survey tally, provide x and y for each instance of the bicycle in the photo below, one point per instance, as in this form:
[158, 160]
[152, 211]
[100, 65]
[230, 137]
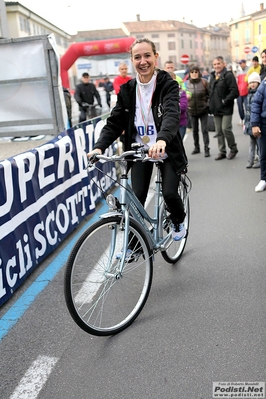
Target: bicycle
[105, 292]
[92, 110]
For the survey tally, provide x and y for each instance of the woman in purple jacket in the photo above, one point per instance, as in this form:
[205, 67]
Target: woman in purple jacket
[183, 104]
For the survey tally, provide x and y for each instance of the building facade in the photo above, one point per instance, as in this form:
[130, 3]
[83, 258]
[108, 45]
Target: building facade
[234, 40]
[248, 36]
[22, 22]
[172, 39]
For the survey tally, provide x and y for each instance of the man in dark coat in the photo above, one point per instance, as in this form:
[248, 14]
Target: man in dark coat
[223, 91]
[84, 95]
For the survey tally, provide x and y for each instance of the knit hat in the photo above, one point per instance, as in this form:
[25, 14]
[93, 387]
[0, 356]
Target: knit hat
[254, 77]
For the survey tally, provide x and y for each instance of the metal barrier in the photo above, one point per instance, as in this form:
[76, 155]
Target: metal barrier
[31, 95]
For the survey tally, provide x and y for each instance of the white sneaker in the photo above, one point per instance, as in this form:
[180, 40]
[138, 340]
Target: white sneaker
[261, 186]
[39, 137]
[23, 138]
[179, 231]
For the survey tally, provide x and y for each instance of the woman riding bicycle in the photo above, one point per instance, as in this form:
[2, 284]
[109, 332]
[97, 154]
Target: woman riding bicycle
[147, 111]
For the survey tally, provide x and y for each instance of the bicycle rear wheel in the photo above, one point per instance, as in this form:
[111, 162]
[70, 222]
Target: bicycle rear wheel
[105, 302]
[174, 252]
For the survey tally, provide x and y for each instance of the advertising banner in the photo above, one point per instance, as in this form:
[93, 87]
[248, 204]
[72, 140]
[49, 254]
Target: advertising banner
[44, 194]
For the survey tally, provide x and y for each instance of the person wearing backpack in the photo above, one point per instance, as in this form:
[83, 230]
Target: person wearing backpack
[198, 108]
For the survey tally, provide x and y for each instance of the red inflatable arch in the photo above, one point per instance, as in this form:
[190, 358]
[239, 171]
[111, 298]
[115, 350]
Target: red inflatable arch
[97, 47]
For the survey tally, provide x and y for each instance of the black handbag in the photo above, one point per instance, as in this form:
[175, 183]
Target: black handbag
[211, 125]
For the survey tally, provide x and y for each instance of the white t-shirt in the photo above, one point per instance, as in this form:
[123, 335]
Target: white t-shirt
[144, 121]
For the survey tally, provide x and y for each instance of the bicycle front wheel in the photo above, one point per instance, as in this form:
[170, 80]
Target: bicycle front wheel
[174, 252]
[101, 298]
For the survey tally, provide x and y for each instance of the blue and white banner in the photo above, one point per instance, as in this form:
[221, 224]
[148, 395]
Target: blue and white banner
[44, 194]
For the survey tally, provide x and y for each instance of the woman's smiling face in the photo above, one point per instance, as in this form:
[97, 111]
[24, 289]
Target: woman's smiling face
[144, 60]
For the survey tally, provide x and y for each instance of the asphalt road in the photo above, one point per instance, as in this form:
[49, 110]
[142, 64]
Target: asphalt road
[204, 320]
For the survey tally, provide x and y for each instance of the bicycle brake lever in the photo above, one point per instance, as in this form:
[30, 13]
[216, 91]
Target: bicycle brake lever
[93, 159]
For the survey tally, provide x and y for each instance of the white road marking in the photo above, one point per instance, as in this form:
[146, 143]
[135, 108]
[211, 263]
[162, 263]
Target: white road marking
[35, 378]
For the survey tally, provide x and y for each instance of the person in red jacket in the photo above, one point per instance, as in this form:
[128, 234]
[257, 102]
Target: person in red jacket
[242, 85]
[121, 78]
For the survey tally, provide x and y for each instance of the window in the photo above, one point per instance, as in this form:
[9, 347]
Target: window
[190, 43]
[139, 36]
[247, 35]
[155, 36]
[172, 58]
[182, 43]
[171, 35]
[260, 29]
[21, 23]
[236, 39]
[171, 46]
[27, 26]
[157, 45]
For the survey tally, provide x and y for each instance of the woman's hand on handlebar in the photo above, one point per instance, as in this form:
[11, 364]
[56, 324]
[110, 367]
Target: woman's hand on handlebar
[157, 150]
[91, 155]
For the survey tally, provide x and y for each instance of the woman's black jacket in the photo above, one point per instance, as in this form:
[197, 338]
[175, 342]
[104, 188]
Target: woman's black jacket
[166, 111]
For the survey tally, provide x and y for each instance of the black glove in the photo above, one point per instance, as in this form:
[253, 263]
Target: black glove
[100, 105]
[84, 105]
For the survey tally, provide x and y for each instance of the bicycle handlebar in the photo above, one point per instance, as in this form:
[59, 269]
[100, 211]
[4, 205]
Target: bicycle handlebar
[89, 106]
[115, 157]
[120, 158]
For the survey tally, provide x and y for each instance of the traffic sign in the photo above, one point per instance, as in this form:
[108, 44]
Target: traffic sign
[247, 49]
[185, 59]
[254, 49]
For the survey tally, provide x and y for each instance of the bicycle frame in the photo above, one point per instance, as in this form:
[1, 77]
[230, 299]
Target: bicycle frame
[132, 207]
[107, 286]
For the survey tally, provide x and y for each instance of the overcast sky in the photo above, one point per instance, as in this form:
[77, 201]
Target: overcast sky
[77, 15]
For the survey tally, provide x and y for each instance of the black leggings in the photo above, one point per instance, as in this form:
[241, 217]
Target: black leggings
[141, 173]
